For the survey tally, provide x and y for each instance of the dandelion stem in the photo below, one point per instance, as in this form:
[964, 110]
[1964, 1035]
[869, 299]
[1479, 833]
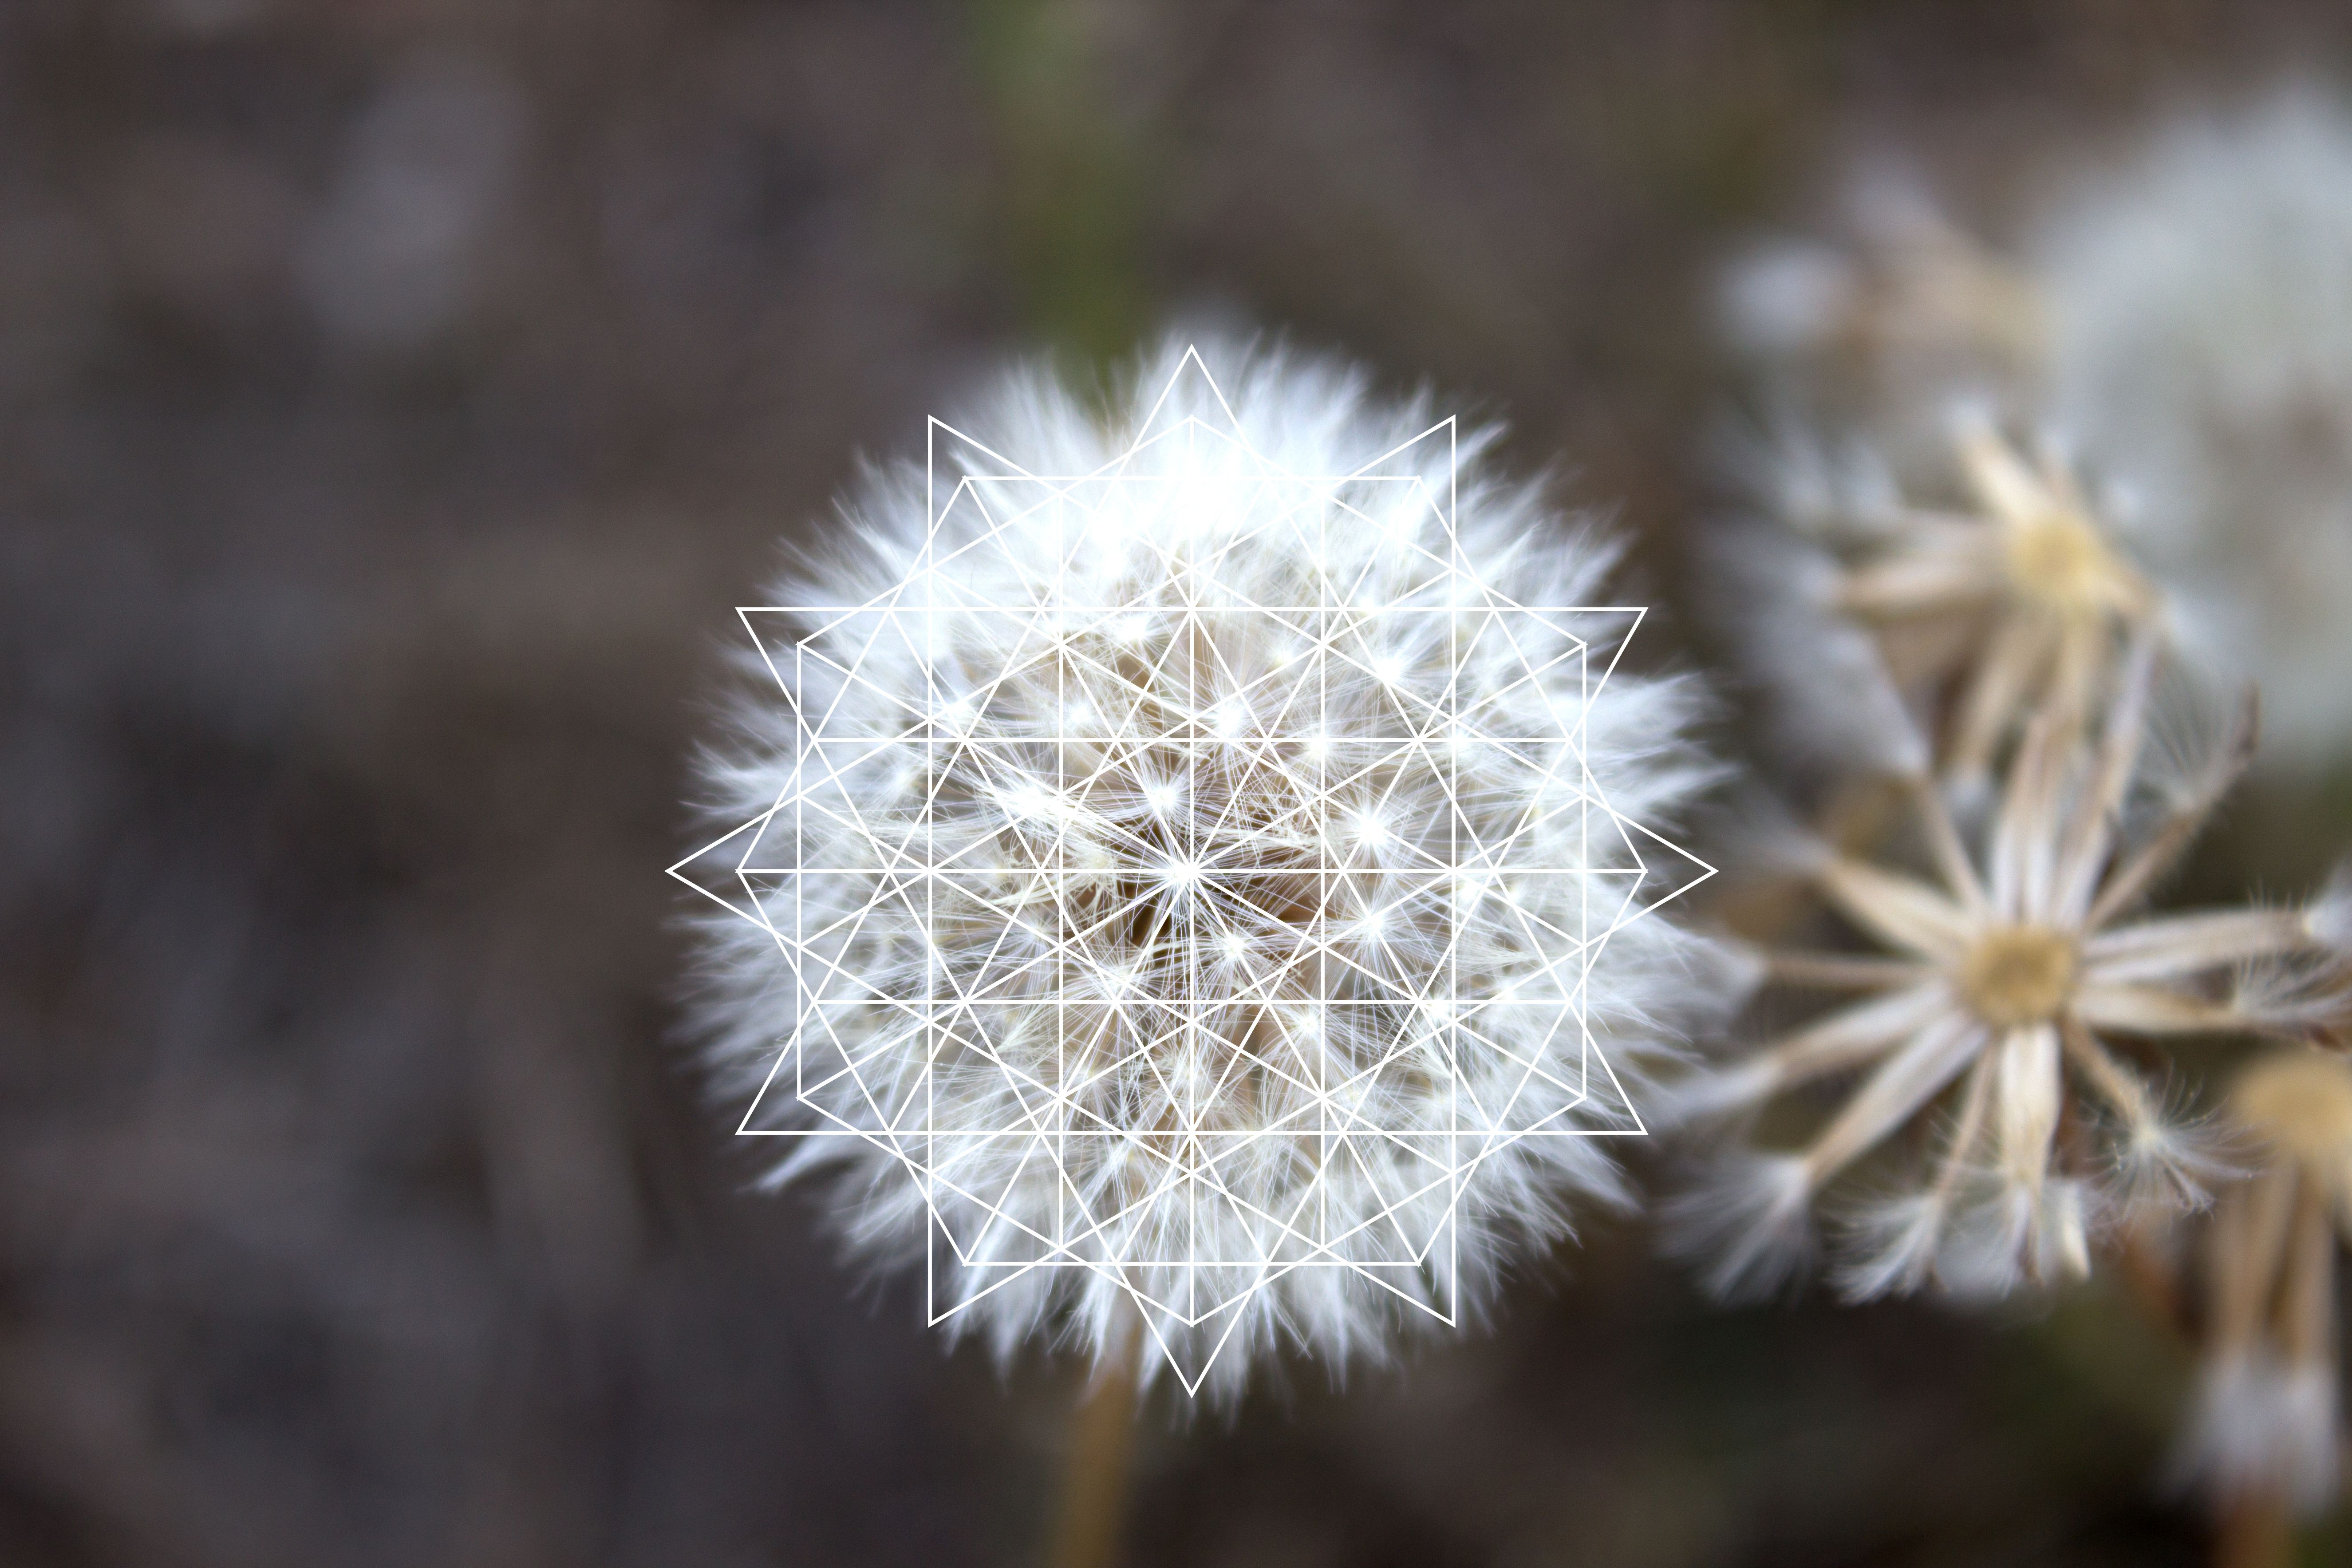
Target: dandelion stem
[2153, 1282]
[1102, 1439]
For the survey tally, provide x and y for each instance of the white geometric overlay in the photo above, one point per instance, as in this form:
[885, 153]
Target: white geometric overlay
[1228, 885]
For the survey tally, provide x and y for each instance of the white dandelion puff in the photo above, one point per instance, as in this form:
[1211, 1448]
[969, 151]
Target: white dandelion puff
[2199, 306]
[1179, 867]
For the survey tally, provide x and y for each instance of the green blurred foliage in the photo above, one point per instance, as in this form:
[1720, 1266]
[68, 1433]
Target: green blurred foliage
[1073, 187]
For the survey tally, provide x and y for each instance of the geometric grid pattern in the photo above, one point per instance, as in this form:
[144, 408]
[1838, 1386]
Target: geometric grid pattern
[1205, 878]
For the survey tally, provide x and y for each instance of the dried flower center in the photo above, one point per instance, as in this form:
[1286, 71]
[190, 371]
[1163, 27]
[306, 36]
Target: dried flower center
[2059, 559]
[2300, 1101]
[2018, 975]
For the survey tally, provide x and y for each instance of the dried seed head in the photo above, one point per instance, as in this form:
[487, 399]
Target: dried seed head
[2055, 553]
[2298, 1102]
[2015, 601]
[2264, 1422]
[2018, 975]
[2060, 560]
[2008, 971]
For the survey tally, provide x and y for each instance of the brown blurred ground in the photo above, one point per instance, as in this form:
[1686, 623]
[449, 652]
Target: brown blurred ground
[394, 397]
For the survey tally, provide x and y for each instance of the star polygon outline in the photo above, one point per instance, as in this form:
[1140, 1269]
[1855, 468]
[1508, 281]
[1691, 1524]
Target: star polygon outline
[976, 497]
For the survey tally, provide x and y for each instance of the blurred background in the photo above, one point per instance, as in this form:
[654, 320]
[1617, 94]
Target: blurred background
[396, 395]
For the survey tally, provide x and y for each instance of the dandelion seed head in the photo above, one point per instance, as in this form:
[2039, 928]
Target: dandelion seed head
[1153, 998]
[2201, 345]
[2264, 1419]
[2015, 975]
[2016, 592]
[2011, 963]
[2299, 1103]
